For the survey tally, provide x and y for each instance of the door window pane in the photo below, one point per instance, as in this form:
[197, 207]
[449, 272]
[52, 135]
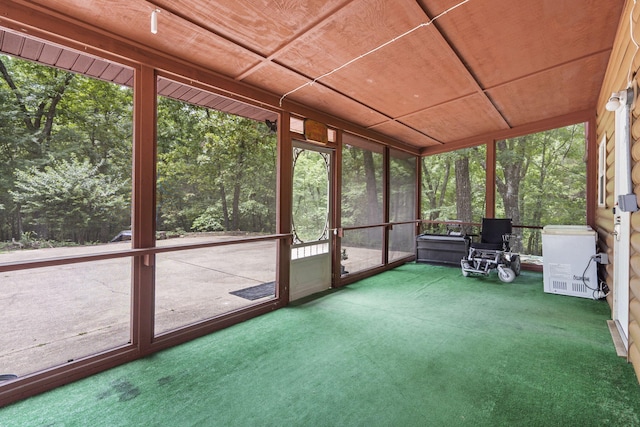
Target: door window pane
[310, 195]
[361, 203]
[402, 184]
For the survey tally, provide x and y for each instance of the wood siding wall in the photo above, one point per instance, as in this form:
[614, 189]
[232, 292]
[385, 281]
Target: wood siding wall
[623, 59]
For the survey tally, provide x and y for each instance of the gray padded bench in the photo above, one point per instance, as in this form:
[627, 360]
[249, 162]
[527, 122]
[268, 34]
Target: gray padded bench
[441, 248]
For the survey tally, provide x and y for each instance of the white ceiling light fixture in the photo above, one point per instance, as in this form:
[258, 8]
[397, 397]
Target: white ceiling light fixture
[614, 102]
[154, 21]
[624, 97]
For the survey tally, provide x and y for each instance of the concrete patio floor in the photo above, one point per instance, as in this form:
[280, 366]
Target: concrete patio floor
[53, 315]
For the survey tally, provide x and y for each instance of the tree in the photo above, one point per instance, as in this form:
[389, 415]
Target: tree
[29, 97]
[540, 180]
[402, 200]
[463, 189]
[361, 190]
[37, 90]
[362, 195]
[214, 168]
[436, 202]
[557, 184]
[373, 206]
[48, 115]
[71, 200]
[242, 151]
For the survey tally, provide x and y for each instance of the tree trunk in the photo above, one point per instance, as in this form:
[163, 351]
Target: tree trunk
[514, 164]
[372, 191]
[225, 208]
[463, 190]
[236, 204]
[374, 213]
[435, 189]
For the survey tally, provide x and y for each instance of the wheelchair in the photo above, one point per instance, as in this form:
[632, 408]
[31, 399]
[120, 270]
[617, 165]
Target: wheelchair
[493, 251]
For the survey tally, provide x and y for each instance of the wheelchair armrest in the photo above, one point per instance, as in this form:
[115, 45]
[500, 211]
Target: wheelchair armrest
[508, 237]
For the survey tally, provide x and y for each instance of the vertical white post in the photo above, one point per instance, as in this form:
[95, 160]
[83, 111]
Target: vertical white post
[622, 220]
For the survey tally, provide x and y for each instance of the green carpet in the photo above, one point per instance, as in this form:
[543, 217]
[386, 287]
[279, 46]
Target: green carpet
[416, 346]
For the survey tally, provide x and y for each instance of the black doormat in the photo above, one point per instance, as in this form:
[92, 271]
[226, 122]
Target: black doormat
[257, 292]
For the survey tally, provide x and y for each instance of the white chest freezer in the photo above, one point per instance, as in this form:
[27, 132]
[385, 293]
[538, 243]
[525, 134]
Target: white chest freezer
[568, 267]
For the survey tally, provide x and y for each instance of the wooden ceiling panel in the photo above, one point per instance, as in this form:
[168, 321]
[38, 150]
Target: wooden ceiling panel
[500, 41]
[458, 119]
[340, 106]
[275, 79]
[261, 25]
[352, 31]
[556, 92]
[414, 73]
[409, 74]
[176, 37]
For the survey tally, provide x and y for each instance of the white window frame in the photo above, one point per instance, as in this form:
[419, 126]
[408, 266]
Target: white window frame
[602, 172]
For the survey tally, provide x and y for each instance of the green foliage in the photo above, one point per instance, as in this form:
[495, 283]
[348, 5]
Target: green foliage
[310, 195]
[439, 184]
[70, 200]
[361, 187]
[362, 171]
[215, 170]
[402, 183]
[214, 166]
[209, 220]
[49, 119]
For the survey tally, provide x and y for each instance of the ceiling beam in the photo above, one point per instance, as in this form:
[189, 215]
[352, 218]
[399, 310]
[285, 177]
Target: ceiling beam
[539, 126]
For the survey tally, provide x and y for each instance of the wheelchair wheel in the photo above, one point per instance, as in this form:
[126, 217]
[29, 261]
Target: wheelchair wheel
[506, 274]
[464, 264]
[515, 264]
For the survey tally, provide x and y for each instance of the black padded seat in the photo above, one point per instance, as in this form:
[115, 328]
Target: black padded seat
[492, 234]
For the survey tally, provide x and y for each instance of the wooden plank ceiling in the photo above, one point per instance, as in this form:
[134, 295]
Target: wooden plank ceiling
[483, 67]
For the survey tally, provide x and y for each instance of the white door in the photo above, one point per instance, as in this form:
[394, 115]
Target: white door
[311, 250]
[622, 221]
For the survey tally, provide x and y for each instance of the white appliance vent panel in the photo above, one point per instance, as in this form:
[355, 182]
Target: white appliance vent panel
[567, 252]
